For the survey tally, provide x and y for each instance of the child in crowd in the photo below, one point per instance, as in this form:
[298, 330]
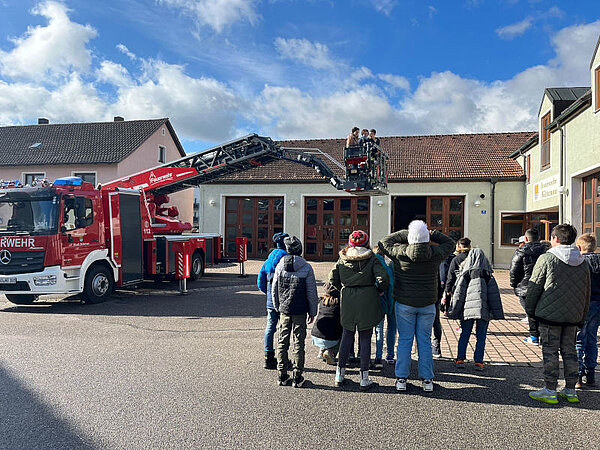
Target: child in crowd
[387, 306]
[295, 296]
[327, 330]
[361, 279]
[558, 297]
[476, 301]
[264, 281]
[587, 338]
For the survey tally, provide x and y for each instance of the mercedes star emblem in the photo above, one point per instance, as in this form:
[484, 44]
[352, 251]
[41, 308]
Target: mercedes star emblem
[5, 257]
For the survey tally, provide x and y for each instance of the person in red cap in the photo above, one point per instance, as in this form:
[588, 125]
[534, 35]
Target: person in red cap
[361, 279]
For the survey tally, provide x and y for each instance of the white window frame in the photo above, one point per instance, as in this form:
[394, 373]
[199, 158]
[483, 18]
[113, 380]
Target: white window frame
[74, 172]
[24, 175]
[164, 158]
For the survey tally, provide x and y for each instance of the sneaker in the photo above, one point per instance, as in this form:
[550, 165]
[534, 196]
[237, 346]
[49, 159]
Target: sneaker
[579, 381]
[525, 320]
[298, 380]
[459, 363]
[320, 354]
[544, 395]
[479, 366]
[532, 340]
[400, 384]
[437, 352]
[570, 395]
[339, 376]
[328, 357]
[390, 359]
[590, 377]
[270, 361]
[378, 364]
[283, 379]
[428, 385]
[365, 382]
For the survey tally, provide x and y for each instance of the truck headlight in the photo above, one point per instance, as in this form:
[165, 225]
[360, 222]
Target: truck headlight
[47, 280]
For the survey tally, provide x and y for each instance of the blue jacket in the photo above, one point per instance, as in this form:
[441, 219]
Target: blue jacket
[387, 300]
[265, 276]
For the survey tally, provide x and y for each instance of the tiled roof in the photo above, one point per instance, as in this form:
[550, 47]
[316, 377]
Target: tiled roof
[76, 143]
[459, 156]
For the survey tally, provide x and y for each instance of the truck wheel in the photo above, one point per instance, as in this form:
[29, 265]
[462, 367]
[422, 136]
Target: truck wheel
[98, 285]
[197, 266]
[21, 299]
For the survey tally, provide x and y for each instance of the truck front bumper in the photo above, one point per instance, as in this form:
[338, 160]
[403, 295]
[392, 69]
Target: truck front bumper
[52, 280]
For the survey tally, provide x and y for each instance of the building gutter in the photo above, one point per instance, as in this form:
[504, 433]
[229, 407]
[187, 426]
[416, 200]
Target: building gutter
[561, 188]
[578, 106]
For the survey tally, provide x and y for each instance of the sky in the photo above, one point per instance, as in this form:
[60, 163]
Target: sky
[293, 69]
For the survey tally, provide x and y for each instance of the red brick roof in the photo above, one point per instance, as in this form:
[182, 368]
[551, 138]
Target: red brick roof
[456, 156]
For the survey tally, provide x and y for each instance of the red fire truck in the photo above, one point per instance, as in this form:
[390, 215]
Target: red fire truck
[69, 237]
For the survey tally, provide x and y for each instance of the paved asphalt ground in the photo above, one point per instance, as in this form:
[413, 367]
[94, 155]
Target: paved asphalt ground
[151, 369]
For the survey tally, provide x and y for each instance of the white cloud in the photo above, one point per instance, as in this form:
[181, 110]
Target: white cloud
[217, 14]
[432, 11]
[395, 81]
[384, 6]
[514, 30]
[123, 49]
[113, 73]
[49, 51]
[312, 54]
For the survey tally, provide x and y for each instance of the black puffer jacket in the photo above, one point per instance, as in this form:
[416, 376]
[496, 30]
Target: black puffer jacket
[593, 259]
[454, 271]
[522, 264]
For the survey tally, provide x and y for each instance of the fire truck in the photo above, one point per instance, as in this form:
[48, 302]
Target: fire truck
[69, 237]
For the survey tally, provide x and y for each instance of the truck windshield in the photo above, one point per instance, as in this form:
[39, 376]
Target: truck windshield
[27, 215]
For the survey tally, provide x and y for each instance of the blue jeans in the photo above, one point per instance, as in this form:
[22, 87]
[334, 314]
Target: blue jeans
[390, 337]
[587, 340]
[272, 319]
[465, 334]
[413, 322]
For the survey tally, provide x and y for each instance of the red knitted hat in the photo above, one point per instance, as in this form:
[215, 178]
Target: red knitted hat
[358, 238]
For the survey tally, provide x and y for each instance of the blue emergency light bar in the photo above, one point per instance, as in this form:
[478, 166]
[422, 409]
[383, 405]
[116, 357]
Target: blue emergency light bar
[68, 181]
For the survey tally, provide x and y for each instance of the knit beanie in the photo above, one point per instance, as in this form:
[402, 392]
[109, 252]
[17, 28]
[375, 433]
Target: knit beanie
[358, 238]
[278, 240]
[418, 232]
[293, 245]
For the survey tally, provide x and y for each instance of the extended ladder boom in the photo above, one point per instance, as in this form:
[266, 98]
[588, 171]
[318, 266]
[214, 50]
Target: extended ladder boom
[234, 156]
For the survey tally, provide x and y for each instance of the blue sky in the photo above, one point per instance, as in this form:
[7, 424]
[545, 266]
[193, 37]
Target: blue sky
[292, 68]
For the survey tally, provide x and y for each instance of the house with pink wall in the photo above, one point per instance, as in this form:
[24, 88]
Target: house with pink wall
[97, 152]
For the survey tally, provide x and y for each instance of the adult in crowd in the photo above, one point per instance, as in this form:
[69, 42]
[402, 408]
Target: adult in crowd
[352, 139]
[558, 296]
[264, 282]
[416, 265]
[364, 137]
[476, 301]
[387, 306]
[361, 280]
[587, 338]
[440, 305]
[373, 136]
[521, 268]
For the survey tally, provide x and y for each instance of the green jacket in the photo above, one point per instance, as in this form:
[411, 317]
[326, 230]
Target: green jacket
[360, 278]
[416, 266]
[558, 292]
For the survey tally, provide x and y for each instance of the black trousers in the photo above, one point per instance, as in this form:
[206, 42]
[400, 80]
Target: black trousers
[533, 324]
[364, 345]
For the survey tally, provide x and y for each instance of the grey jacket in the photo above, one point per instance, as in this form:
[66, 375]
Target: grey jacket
[476, 295]
[294, 289]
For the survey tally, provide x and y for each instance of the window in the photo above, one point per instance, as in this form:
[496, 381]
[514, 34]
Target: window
[514, 225]
[545, 156]
[89, 177]
[528, 168]
[162, 154]
[28, 178]
[78, 212]
[591, 205]
[597, 86]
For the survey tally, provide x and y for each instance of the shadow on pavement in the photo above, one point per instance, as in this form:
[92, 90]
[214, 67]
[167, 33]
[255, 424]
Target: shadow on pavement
[215, 295]
[27, 423]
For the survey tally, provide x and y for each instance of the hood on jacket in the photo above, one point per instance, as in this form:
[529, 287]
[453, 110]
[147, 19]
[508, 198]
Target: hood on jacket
[420, 252]
[569, 254]
[476, 260]
[593, 260]
[533, 248]
[293, 263]
[356, 253]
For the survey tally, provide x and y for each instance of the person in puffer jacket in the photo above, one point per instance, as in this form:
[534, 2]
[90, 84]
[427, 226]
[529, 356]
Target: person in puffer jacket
[587, 338]
[264, 281]
[295, 297]
[327, 330]
[521, 268]
[558, 296]
[476, 301]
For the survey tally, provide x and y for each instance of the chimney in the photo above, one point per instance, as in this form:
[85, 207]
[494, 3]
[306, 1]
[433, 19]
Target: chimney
[119, 119]
[43, 121]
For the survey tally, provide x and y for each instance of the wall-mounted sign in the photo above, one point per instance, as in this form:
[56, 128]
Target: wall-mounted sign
[546, 188]
[483, 211]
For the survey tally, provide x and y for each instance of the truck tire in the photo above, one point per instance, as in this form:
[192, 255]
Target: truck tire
[98, 285]
[196, 266]
[21, 299]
